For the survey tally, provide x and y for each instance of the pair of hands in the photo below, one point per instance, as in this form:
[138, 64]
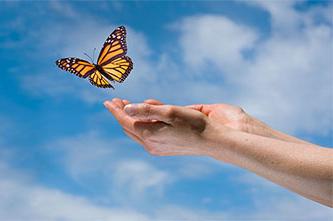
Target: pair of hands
[167, 130]
[227, 133]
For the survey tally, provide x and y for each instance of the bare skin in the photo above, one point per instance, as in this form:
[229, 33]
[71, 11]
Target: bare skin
[228, 134]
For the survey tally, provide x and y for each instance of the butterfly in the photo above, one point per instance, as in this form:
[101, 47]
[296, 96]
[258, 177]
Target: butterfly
[112, 63]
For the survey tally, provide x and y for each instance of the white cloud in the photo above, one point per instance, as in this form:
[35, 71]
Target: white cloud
[137, 177]
[283, 15]
[63, 8]
[118, 160]
[272, 202]
[210, 40]
[85, 154]
[22, 199]
[287, 82]
[89, 157]
[134, 181]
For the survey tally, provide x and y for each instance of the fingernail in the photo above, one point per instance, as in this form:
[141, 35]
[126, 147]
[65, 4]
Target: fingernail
[115, 99]
[130, 109]
[107, 104]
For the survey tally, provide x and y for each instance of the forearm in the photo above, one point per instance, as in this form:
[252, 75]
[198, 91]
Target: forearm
[255, 126]
[302, 168]
[285, 137]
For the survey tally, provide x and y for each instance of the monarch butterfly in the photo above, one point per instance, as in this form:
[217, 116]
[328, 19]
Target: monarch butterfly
[112, 63]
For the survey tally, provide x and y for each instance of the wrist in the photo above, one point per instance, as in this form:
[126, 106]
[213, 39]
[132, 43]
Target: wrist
[230, 146]
[217, 142]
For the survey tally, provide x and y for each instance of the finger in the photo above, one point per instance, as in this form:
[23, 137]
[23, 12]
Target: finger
[145, 130]
[126, 102]
[125, 120]
[153, 102]
[118, 102]
[165, 113]
[147, 112]
[138, 140]
[195, 118]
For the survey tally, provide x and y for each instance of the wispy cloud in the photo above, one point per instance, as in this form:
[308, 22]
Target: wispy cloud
[287, 79]
[63, 8]
[216, 41]
[138, 177]
[22, 199]
[273, 202]
[90, 157]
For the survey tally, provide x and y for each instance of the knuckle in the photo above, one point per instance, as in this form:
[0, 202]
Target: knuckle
[146, 110]
[170, 112]
[199, 124]
[145, 106]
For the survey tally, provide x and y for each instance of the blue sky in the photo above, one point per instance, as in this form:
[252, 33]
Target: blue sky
[64, 157]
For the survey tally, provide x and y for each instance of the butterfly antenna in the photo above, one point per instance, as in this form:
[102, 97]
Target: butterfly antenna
[89, 57]
[94, 54]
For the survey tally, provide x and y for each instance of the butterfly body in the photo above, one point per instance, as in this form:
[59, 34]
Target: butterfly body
[112, 64]
[100, 69]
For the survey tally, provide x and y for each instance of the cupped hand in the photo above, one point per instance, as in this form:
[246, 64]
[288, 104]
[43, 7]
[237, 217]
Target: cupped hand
[164, 129]
[229, 116]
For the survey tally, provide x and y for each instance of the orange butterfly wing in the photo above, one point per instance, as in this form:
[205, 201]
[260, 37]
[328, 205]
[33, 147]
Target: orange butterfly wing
[112, 57]
[98, 80]
[114, 46]
[118, 69]
[79, 67]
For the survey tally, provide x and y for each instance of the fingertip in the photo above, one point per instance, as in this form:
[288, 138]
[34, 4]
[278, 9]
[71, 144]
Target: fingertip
[130, 109]
[107, 104]
[127, 106]
[125, 102]
[136, 109]
[118, 102]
